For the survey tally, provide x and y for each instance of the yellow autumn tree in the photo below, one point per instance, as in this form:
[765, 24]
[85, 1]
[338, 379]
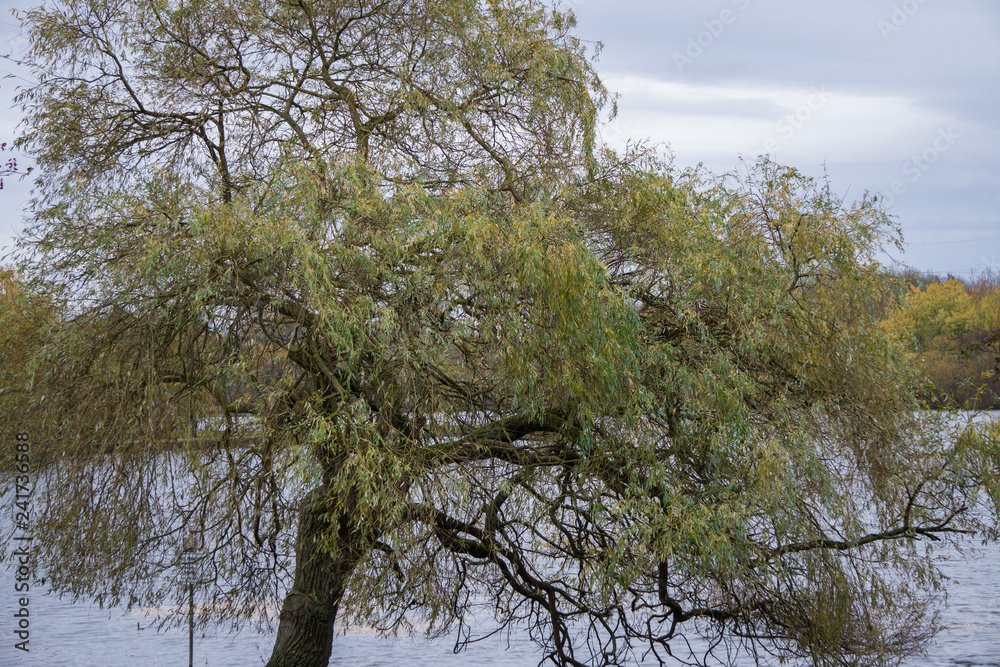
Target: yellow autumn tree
[944, 325]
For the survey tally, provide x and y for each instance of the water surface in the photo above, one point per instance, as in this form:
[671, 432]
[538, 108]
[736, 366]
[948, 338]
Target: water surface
[82, 635]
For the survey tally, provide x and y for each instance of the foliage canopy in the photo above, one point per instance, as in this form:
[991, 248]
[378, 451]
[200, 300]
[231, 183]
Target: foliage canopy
[346, 289]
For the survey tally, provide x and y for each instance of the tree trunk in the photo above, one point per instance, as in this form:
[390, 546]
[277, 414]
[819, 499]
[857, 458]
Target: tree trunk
[305, 625]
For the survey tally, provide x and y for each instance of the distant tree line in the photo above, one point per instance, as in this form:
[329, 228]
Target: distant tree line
[952, 327]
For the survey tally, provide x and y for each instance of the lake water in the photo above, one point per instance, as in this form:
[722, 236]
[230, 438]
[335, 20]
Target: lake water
[81, 635]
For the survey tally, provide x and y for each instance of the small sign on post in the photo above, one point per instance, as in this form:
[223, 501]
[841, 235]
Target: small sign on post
[189, 574]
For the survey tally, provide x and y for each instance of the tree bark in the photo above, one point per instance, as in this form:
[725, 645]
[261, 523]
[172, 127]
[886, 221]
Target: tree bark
[305, 625]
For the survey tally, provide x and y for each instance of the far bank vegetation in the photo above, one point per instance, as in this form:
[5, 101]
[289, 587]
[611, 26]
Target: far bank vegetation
[951, 327]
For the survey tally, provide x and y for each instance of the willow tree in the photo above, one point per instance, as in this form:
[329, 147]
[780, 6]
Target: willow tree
[346, 292]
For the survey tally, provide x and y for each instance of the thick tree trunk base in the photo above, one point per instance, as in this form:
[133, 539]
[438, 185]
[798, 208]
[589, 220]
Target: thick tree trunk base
[305, 625]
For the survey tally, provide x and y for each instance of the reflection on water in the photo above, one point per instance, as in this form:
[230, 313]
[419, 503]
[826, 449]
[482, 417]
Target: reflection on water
[80, 635]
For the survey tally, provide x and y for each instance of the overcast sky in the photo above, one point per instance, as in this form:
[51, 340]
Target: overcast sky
[900, 97]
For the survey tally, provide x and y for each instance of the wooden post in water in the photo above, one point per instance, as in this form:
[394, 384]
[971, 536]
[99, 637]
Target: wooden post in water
[191, 624]
[188, 563]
